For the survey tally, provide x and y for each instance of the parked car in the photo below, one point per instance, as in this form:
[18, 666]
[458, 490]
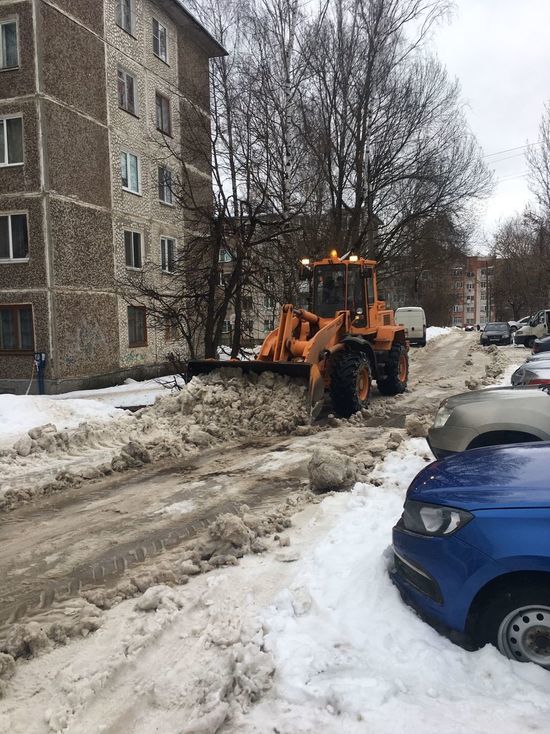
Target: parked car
[541, 345]
[537, 328]
[538, 357]
[490, 417]
[497, 332]
[469, 327]
[413, 319]
[536, 372]
[471, 550]
[515, 325]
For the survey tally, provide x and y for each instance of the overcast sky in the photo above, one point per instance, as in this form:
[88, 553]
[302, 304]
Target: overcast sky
[500, 52]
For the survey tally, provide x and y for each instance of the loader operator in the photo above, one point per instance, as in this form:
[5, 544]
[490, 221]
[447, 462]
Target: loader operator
[330, 290]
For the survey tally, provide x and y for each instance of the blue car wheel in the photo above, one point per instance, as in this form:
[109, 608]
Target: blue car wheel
[517, 622]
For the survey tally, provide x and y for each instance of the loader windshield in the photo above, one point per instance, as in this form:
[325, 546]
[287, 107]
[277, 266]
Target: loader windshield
[329, 290]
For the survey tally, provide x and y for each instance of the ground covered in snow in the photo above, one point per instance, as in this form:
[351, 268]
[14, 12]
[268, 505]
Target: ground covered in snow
[308, 637]
[276, 613]
[432, 332]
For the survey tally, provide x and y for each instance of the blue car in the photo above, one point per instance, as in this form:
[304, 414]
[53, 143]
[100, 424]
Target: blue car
[472, 549]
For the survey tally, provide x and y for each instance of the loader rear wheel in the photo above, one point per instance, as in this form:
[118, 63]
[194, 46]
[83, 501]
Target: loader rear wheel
[350, 383]
[397, 372]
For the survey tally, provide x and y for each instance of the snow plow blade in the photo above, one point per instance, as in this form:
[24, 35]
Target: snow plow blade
[297, 370]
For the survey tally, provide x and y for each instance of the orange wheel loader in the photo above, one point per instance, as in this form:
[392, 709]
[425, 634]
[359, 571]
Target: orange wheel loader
[346, 341]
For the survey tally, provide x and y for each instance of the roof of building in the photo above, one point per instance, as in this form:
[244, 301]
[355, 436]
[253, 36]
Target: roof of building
[186, 18]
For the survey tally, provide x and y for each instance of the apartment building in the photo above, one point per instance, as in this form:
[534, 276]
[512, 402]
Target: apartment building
[93, 107]
[472, 288]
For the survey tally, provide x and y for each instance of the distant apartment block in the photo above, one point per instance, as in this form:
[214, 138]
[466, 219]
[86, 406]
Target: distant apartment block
[90, 92]
[472, 289]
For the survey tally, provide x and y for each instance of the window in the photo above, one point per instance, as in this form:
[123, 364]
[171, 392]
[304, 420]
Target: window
[469, 274]
[226, 327]
[132, 247]
[171, 332]
[11, 141]
[129, 171]
[269, 302]
[470, 286]
[9, 53]
[221, 278]
[137, 326]
[269, 277]
[14, 237]
[458, 284]
[126, 91]
[167, 254]
[248, 325]
[247, 303]
[165, 186]
[457, 308]
[159, 41]
[163, 113]
[125, 15]
[269, 324]
[225, 256]
[16, 329]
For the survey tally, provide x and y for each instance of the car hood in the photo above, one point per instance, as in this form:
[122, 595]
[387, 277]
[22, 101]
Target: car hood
[523, 393]
[498, 476]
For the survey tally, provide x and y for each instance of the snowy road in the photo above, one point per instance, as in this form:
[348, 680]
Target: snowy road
[74, 539]
[88, 540]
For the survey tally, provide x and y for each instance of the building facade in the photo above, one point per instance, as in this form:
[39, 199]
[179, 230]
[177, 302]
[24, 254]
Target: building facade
[93, 101]
[472, 288]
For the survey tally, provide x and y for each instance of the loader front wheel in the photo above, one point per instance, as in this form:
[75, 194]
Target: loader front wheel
[397, 372]
[350, 383]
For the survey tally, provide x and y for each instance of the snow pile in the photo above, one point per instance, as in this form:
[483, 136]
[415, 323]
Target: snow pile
[351, 656]
[222, 406]
[329, 469]
[19, 413]
[433, 332]
[131, 393]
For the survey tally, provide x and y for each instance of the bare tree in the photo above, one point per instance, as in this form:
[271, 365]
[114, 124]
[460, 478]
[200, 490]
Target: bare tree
[386, 125]
[538, 160]
[522, 249]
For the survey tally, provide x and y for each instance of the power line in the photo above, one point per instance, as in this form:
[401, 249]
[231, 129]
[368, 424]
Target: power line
[509, 150]
[506, 158]
[511, 178]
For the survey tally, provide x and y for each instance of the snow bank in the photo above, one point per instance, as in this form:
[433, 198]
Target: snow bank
[350, 656]
[131, 394]
[19, 413]
[433, 332]
[219, 407]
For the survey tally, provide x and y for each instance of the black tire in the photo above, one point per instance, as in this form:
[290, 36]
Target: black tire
[517, 622]
[529, 342]
[393, 383]
[345, 374]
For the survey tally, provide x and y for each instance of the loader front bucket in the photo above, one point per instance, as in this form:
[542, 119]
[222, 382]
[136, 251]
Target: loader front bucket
[298, 370]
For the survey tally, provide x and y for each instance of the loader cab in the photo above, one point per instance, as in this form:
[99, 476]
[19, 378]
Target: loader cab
[342, 286]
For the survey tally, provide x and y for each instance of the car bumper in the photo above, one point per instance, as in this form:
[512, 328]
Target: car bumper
[415, 598]
[446, 441]
[496, 342]
[432, 575]
[520, 339]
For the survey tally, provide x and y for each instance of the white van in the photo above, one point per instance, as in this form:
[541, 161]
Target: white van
[413, 319]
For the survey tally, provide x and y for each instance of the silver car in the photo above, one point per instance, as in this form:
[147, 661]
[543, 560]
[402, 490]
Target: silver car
[498, 415]
[536, 372]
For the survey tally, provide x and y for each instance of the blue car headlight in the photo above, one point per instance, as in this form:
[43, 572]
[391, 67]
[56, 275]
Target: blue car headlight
[426, 519]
